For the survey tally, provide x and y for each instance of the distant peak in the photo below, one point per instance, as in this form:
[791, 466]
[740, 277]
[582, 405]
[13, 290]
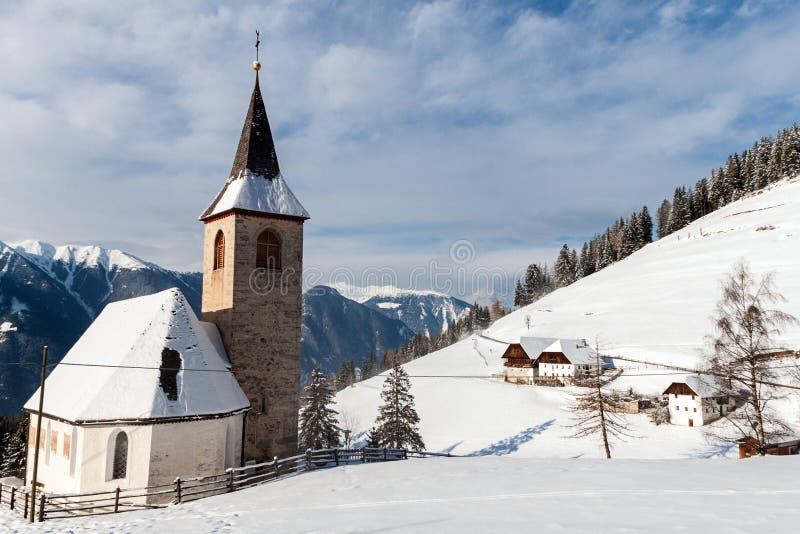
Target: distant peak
[362, 294]
[89, 255]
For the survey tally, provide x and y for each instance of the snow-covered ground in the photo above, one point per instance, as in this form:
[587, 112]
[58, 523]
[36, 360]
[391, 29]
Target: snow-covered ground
[653, 306]
[488, 495]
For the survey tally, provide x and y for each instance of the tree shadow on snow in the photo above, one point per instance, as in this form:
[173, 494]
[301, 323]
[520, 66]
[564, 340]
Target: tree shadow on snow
[717, 450]
[450, 449]
[513, 443]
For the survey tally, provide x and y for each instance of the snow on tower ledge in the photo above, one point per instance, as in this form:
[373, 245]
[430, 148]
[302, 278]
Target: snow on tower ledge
[135, 333]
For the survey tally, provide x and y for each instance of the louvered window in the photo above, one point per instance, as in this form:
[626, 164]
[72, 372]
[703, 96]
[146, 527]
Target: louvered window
[219, 251]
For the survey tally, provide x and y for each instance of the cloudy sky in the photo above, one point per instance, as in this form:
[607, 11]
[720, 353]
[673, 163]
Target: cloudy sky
[407, 129]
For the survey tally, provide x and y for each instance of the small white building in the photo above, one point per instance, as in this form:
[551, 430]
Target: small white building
[698, 400]
[145, 395]
[549, 359]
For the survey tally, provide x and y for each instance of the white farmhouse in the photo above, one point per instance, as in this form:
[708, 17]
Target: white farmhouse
[698, 400]
[549, 360]
[144, 396]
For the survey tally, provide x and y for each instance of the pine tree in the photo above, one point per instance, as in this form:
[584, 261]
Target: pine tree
[373, 442]
[646, 223]
[397, 421]
[14, 451]
[346, 375]
[585, 262]
[368, 370]
[520, 297]
[679, 216]
[775, 167]
[791, 152]
[565, 272]
[663, 218]
[318, 425]
[606, 255]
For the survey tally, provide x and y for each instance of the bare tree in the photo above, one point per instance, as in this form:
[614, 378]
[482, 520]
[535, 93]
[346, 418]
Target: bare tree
[747, 326]
[598, 411]
[348, 424]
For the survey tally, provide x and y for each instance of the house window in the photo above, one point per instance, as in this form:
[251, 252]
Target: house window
[170, 365]
[268, 250]
[686, 409]
[677, 408]
[695, 410]
[120, 466]
[692, 397]
[219, 251]
[66, 446]
[54, 442]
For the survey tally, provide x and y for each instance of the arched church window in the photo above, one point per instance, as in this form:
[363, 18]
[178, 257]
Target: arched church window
[219, 251]
[268, 250]
[120, 468]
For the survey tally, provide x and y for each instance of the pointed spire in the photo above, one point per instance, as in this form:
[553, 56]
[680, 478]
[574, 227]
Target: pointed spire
[256, 152]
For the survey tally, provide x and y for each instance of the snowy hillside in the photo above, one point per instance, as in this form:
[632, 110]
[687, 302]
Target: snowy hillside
[422, 311]
[486, 495]
[654, 305]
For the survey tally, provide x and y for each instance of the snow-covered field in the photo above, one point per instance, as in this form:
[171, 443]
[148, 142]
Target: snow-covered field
[489, 495]
[653, 306]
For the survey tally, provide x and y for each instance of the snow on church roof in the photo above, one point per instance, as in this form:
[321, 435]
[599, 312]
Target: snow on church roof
[134, 333]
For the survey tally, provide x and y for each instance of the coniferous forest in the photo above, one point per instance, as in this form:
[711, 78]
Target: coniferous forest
[766, 162]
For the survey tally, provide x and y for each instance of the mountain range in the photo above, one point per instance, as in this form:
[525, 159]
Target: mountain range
[50, 294]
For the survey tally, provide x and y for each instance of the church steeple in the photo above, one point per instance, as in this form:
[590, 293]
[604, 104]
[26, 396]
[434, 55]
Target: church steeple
[256, 152]
[255, 183]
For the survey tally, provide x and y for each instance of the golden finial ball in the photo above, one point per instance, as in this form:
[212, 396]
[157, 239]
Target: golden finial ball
[256, 65]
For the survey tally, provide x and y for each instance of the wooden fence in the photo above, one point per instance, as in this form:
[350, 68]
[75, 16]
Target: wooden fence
[185, 489]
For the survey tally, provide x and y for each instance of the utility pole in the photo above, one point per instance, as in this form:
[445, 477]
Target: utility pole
[38, 435]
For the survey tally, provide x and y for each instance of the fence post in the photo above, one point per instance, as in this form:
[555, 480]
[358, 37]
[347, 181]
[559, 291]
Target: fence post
[116, 500]
[405, 454]
[385, 454]
[41, 508]
[336, 456]
[230, 480]
[26, 506]
[1, 493]
[178, 489]
[309, 465]
[277, 467]
[13, 492]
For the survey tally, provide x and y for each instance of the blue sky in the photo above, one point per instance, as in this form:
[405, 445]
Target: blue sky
[403, 127]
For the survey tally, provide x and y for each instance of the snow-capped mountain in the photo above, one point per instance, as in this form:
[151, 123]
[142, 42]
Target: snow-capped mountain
[50, 294]
[653, 306]
[336, 329]
[422, 311]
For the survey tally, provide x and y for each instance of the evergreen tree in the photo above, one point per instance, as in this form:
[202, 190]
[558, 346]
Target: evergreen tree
[397, 421]
[791, 152]
[564, 271]
[14, 450]
[520, 297]
[646, 223]
[775, 167]
[368, 370]
[663, 218]
[318, 425]
[373, 442]
[346, 375]
[585, 262]
[606, 255]
[679, 216]
[761, 169]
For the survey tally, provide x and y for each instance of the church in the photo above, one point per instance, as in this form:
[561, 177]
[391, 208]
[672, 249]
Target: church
[150, 392]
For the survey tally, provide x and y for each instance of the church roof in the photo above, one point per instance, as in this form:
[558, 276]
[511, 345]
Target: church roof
[255, 183]
[112, 373]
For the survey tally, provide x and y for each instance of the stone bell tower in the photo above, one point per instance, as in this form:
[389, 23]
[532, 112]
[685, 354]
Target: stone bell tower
[252, 284]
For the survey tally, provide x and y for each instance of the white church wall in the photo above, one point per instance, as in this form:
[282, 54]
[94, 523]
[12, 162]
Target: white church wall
[194, 448]
[58, 450]
[97, 457]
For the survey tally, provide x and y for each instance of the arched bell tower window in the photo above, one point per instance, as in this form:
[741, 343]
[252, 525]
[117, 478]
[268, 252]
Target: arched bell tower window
[120, 467]
[268, 250]
[219, 251]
